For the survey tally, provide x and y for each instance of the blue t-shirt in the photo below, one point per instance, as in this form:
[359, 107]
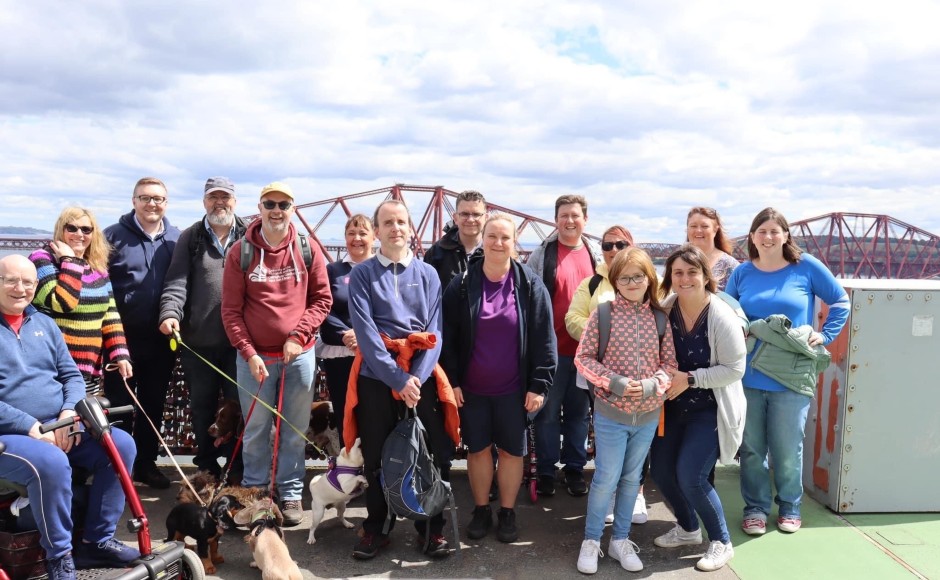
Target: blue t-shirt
[791, 291]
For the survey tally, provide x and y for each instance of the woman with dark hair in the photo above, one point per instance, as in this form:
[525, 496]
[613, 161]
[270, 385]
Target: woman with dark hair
[499, 353]
[336, 347]
[705, 231]
[704, 408]
[630, 379]
[74, 289]
[779, 280]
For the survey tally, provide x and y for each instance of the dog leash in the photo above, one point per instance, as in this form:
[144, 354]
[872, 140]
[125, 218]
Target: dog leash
[277, 431]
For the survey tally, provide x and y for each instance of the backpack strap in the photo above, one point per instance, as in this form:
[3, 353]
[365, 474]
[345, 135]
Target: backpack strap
[603, 329]
[248, 251]
[594, 283]
[660, 324]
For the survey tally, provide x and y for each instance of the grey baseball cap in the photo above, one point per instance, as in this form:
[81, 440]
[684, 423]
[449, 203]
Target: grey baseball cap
[220, 184]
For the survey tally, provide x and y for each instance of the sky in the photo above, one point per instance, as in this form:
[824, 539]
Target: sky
[645, 108]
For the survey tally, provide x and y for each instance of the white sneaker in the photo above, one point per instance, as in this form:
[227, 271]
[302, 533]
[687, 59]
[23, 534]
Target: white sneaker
[625, 552]
[639, 510]
[587, 559]
[678, 537]
[715, 557]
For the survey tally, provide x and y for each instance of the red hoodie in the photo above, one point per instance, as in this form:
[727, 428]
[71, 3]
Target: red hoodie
[274, 297]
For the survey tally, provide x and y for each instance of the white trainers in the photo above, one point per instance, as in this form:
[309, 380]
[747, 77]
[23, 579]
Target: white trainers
[625, 552]
[717, 555]
[678, 537]
[640, 515]
[587, 559]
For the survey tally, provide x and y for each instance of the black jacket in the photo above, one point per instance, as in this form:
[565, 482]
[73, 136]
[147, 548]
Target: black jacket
[192, 291]
[447, 256]
[461, 309]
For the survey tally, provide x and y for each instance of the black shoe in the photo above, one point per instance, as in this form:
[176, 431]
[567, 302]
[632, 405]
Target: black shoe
[437, 547]
[506, 530]
[481, 523]
[546, 485]
[61, 568]
[369, 545]
[574, 480]
[107, 554]
[151, 476]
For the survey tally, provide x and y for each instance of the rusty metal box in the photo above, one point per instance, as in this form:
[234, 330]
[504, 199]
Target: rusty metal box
[873, 434]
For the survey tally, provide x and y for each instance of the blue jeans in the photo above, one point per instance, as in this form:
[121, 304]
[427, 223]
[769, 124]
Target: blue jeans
[775, 423]
[47, 474]
[681, 462]
[618, 462]
[298, 395]
[549, 426]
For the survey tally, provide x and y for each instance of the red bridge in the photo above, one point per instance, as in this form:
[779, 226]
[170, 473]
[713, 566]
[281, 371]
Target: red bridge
[853, 245]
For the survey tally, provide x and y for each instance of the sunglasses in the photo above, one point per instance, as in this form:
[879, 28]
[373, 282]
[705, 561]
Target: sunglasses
[73, 229]
[619, 244]
[282, 205]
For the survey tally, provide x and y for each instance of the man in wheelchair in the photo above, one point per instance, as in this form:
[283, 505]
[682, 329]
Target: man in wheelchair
[40, 383]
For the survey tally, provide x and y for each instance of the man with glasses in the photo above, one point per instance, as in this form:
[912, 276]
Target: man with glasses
[271, 310]
[563, 260]
[41, 383]
[449, 255]
[192, 305]
[142, 246]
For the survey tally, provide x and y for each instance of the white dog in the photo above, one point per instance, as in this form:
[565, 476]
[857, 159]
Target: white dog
[341, 483]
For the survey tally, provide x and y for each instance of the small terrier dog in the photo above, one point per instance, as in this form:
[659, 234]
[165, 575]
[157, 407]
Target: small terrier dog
[322, 431]
[266, 540]
[341, 483]
[205, 524]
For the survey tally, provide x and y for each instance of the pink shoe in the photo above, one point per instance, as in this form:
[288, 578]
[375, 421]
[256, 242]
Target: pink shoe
[788, 524]
[754, 526]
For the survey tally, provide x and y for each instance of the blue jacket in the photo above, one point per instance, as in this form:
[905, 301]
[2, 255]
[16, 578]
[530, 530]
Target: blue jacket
[337, 321]
[137, 268]
[38, 377]
[537, 353]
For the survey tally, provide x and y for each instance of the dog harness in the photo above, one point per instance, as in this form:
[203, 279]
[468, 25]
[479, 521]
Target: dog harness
[264, 519]
[336, 470]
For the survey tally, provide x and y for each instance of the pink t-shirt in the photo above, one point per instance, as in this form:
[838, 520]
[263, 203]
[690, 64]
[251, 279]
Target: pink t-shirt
[574, 265]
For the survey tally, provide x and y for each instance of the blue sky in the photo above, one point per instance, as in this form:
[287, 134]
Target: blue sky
[646, 108]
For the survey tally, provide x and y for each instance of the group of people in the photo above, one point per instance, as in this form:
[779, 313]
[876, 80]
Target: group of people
[479, 344]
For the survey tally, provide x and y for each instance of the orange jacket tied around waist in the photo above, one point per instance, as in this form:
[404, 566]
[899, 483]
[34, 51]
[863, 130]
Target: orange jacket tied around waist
[403, 349]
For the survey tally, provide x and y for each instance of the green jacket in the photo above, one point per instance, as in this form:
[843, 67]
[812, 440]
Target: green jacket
[784, 353]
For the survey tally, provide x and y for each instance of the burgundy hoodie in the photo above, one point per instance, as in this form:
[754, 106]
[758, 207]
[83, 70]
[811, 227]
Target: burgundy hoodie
[274, 297]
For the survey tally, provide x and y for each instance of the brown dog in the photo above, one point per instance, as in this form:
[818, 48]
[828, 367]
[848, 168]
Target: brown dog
[205, 483]
[266, 540]
[228, 422]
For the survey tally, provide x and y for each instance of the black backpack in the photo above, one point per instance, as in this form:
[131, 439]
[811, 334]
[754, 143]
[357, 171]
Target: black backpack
[411, 482]
[248, 251]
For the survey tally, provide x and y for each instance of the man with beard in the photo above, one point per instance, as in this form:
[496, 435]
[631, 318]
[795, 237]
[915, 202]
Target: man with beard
[271, 310]
[143, 242]
[192, 305]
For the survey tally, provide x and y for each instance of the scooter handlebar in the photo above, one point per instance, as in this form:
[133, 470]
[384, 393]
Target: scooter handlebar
[75, 418]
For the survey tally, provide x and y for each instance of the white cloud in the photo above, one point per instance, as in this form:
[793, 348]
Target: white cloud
[645, 108]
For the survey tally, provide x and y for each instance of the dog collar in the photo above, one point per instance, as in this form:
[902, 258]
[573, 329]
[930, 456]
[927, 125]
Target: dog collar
[336, 470]
[264, 519]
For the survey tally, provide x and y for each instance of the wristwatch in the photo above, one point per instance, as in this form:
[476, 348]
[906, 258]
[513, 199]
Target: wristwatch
[691, 378]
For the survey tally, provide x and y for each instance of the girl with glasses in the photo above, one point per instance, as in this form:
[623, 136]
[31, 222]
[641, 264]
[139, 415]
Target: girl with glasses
[629, 382]
[74, 289]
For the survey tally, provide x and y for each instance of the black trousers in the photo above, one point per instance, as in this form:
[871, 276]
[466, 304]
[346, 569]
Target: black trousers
[337, 378]
[376, 415]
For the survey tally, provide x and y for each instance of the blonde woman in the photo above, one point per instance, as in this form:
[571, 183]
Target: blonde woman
[74, 289]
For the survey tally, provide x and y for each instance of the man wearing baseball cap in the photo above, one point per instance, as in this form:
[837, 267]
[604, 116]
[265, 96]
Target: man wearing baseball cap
[191, 304]
[271, 310]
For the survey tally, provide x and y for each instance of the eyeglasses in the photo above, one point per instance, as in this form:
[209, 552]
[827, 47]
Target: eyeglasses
[282, 205]
[14, 282]
[157, 199]
[73, 229]
[466, 215]
[619, 244]
[223, 198]
[638, 279]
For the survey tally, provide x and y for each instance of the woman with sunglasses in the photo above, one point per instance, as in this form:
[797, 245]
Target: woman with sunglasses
[705, 406]
[705, 231]
[630, 380]
[74, 289]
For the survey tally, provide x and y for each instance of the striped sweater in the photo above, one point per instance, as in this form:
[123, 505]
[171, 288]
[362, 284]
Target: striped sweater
[81, 302]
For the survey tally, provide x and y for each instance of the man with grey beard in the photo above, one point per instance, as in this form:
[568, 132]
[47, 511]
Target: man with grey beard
[192, 305]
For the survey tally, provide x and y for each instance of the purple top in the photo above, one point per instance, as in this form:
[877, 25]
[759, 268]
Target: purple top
[494, 364]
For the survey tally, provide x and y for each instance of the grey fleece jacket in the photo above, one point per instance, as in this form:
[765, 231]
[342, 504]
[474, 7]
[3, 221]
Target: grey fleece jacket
[784, 353]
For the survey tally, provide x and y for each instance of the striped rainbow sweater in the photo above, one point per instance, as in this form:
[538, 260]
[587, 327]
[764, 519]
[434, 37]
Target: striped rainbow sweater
[81, 302]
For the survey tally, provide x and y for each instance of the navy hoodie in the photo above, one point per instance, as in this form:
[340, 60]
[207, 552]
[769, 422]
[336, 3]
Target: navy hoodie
[137, 268]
